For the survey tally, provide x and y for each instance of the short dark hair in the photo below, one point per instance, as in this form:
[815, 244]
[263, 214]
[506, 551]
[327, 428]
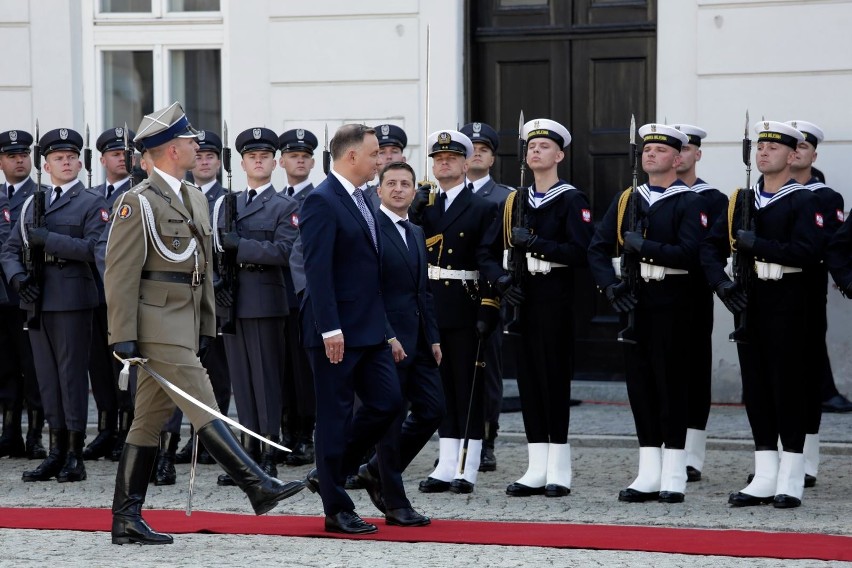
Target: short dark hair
[347, 136]
[397, 166]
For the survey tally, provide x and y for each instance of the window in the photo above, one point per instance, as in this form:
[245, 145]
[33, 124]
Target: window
[156, 7]
[196, 81]
[128, 87]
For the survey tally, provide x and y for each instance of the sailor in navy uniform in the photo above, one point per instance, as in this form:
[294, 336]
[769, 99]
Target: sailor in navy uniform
[18, 384]
[392, 141]
[297, 423]
[265, 229]
[103, 367]
[485, 142]
[671, 223]
[74, 220]
[701, 344]
[786, 242]
[821, 386]
[455, 227]
[555, 233]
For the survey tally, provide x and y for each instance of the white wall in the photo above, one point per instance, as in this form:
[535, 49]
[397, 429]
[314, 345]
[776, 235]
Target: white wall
[782, 60]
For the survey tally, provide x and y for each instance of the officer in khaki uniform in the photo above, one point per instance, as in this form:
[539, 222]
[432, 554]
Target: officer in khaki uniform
[159, 289]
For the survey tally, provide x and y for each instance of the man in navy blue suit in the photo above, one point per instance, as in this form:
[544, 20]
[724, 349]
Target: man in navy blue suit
[343, 300]
[415, 344]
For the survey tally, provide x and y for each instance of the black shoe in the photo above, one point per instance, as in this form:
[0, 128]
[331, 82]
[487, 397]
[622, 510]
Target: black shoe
[810, 480]
[131, 485]
[12, 441]
[633, 496]
[554, 490]
[184, 455]
[373, 486]
[786, 502]
[520, 490]
[267, 458]
[750, 477]
[461, 486]
[312, 481]
[73, 469]
[302, 454]
[224, 480]
[264, 492]
[487, 460]
[52, 464]
[104, 442]
[670, 497]
[693, 474]
[406, 517]
[352, 482]
[35, 425]
[837, 403]
[165, 471]
[125, 420]
[432, 485]
[740, 499]
[348, 522]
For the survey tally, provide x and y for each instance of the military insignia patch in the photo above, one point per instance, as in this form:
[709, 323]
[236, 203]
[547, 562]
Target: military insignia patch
[63, 134]
[819, 220]
[840, 215]
[176, 243]
[256, 133]
[587, 215]
[201, 135]
[300, 133]
[104, 215]
[125, 211]
[477, 127]
[444, 138]
[704, 220]
[653, 128]
[119, 132]
[7, 216]
[294, 220]
[13, 136]
[385, 129]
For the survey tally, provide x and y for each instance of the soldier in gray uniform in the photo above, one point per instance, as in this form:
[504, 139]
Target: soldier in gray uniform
[297, 159]
[18, 384]
[103, 367]
[264, 231]
[74, 220]
[485, 142]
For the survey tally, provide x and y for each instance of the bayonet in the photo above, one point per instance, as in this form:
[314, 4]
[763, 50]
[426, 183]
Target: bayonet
[87, 158]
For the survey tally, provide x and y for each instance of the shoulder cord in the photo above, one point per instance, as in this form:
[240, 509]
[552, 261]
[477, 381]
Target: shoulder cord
[623, 201]
[148, 227]
[732, 206]
[507, 219]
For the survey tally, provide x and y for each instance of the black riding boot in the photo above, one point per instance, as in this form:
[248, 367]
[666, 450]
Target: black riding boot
[131, 486]
[11, 442]
[74, 469]
[267, 458]
[263, 491]
[35, 421]
[104, 443]
[166, 474]
[52, 464]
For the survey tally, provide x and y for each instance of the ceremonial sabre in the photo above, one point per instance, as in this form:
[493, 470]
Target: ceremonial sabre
[477, 364]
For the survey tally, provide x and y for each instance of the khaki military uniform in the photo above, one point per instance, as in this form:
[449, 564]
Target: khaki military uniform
[151, 239]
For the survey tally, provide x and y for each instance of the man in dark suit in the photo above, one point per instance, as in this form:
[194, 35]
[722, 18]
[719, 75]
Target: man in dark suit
[343, 299]
[17, 374]
[74, 220]
[297, 423]
[415, 344]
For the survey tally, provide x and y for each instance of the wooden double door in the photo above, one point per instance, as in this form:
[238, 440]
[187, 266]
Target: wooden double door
[588, 64]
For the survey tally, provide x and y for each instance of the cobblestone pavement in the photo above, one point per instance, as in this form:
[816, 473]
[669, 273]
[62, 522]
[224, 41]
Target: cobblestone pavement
[604, 461]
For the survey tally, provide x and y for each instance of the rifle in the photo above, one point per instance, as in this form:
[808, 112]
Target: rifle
[630, 270]
[33, 255]
[326, 155]
[741, 263]
[87, 159]
[516, 258]
[227, 260]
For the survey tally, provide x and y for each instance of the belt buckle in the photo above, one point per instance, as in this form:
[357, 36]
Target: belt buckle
[196, 279]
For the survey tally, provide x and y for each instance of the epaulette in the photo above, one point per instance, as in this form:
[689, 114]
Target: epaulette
[140, 187]
[508, 187]
[190, 184]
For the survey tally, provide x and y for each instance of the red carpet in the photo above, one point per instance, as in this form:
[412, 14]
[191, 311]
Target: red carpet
[556, 535]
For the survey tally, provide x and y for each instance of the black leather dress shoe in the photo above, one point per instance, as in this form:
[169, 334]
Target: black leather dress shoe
[632, 496]
[432, 485]
[837, 403]
[406, 517]
[225, 480]
[461, 486]
[312, 481]
[555, 490]
[786, 502]
[352, 482]
[810, 480]
[670, 497]
[520, 490]
[740, 499]
[373, 486]
[692, 474]
[487, 460]
[348, 522]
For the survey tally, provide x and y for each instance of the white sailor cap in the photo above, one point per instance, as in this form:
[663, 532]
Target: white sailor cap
[546, 128]
[661, 134]
[774, 131]
[449, 141]
[693, 133]
[809, 130]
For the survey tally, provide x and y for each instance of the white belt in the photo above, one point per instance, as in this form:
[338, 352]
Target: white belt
[534, 265]
[772, 271]
[649, 271]
[438, 273]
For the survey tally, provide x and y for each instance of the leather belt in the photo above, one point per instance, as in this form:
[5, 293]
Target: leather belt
[252, 267]
[438, 273]
[174, 277]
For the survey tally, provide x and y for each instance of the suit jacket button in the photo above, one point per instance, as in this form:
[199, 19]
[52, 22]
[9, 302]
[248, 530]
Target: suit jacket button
[461, 234]
[449, 251]
[449, 267]
[446, 282]
[430, 249]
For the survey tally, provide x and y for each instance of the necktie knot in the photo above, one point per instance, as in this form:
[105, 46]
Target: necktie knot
[57, 193]
[10, 190]
[110, 189]
[290, 191]
[251, 195]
